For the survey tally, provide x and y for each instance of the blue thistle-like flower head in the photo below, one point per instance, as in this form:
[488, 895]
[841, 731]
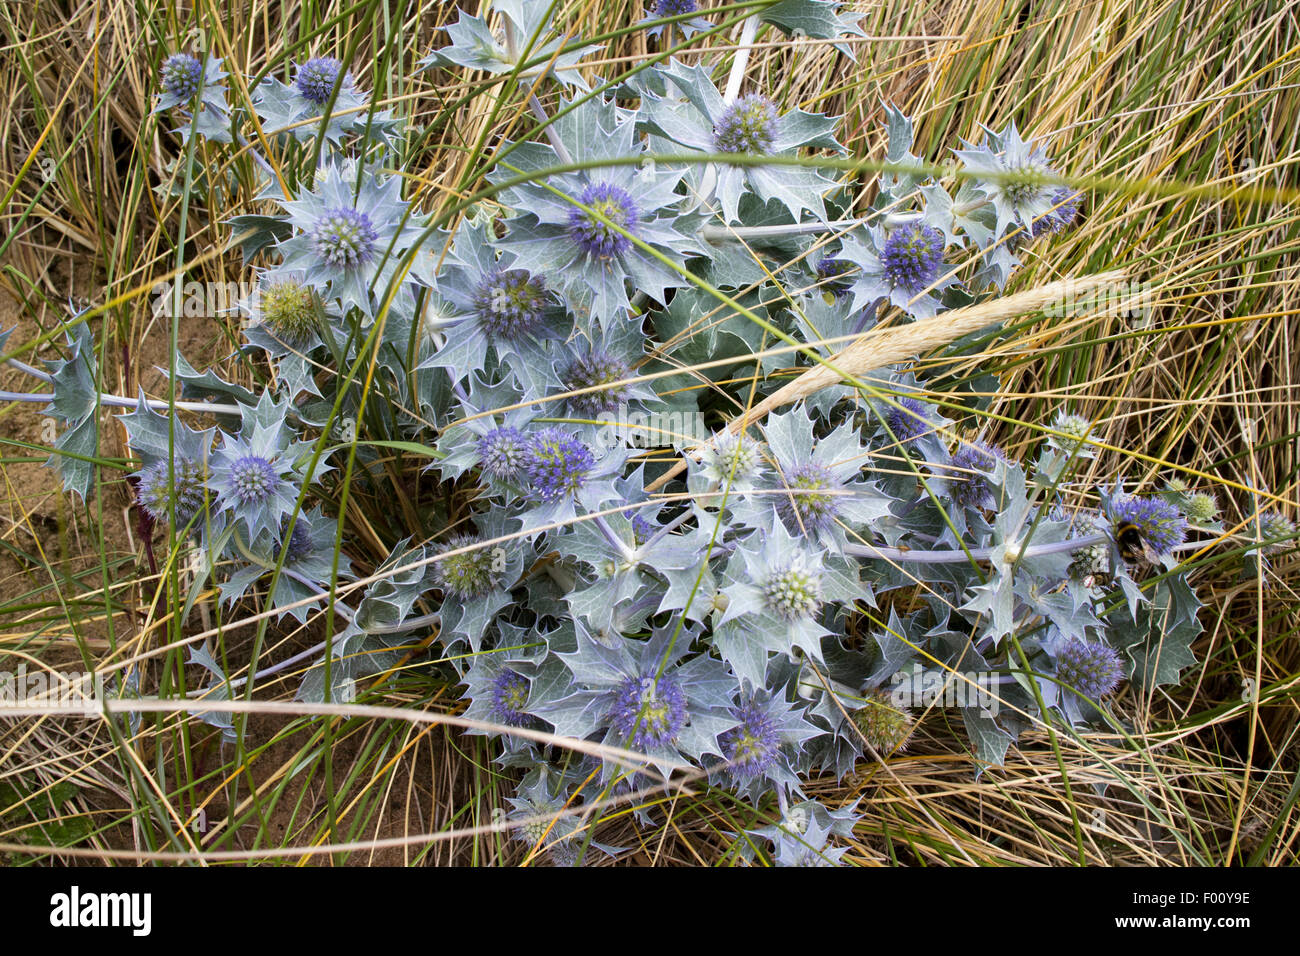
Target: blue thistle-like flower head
[250, 478]
[1094, 669]
[747, 126]
[752, 747]
[1202, 507]
[186, 481]
[642, 527]
[673, 8]
[969, 485]
[831, 273]
[288, 308]
[467, 575]
[348, 235]
[598, 238]
[1160, 524]
[510, 698]
[792, 590]
[193, 85]
[253, 480]
[597, 369]
[732, 460]
[1065, 210]
[182, 75]
[317, 78]
[557, 464]
[510, 303]
[648, 711]
[502, 453]
[909, 420]
[1274, 525]
[344, 237]
[912, 256]
[300, 544]
[811, 503]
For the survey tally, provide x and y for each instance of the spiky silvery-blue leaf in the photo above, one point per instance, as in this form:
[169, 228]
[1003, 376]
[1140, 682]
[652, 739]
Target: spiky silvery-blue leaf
[194, 86]
[585, 230]
[700, 119]
[350, 231]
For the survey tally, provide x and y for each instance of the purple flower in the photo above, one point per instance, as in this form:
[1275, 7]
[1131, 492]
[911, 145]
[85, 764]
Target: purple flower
[831, 272]
[1093, 669]
[317, 79]
[751, 748]
[344, 237]
[502, 453]
[509, 698]
[300, 544]
[908, 420]
[510, 302]
[182, 74]
[187, 481]
[747, 126]
[810, 503]
[598, 238]
[642, 528]
[1160, 524]
[1065, 203]
[969, 486]
[672, 8]
[648, 712]
[253, 479]
[1277, 528]
[557, 464]
[597, 369]
[912, 256]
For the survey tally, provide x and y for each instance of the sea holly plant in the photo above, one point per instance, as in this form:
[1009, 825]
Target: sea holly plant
[728, 607]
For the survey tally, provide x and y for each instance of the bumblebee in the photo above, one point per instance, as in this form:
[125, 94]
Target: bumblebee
[1133, 547]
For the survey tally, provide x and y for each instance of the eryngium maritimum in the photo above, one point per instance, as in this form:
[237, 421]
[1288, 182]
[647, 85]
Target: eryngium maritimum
[344, 237]
[317, 78]
[509, 698]
[466, 575]
[182, 74]
[510, 303]
[187, 480]
[648, 711]
[810, 503]
[912, 256]
[747, 126]
[557, 464]
[1160, 523]
[503, 453]
[601, 371]
[1092, 668]
[751, 748]
[599, 238]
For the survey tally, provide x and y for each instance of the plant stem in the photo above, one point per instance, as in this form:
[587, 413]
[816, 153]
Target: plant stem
[534, 104]
[741, 62]
[115, 401]
[948, 556]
